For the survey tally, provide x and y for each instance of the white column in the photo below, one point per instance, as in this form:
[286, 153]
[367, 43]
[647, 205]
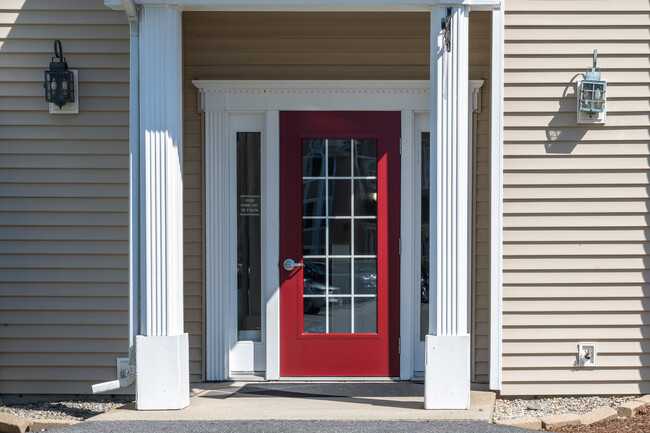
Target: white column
[162, 354]
[447, 366]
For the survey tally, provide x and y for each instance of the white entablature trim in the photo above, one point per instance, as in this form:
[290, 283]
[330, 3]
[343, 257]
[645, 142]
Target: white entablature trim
[314, 5]
[313, 95]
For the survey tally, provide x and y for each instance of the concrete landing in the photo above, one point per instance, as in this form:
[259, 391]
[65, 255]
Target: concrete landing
[324, 401]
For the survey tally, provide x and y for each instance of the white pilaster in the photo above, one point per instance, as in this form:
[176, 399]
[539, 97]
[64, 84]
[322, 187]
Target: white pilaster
[447, 366]
[221, 241]
[162, 351]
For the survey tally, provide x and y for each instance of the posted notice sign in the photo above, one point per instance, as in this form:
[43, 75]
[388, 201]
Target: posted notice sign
[249, 205]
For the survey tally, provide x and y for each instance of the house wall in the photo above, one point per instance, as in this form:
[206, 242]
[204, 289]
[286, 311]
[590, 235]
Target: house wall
[63, 199]
[64, 178]
[328, 46]
[577, 199]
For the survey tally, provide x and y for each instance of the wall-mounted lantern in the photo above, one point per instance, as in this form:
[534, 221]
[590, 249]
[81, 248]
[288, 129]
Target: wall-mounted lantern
[60, 84]
[592, 96]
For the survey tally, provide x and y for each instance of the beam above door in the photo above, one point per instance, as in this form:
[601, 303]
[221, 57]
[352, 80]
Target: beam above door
[316, 5]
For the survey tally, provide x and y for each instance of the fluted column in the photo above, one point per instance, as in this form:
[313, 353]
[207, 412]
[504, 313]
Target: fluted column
[162, 349]
[447, 376]
[221, 240]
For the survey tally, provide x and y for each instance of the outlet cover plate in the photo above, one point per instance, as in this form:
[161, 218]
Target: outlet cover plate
[587, 354]
[122, 365]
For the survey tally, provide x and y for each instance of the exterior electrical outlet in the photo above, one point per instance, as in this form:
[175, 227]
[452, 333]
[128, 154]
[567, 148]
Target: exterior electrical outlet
[122, 367]
[587, 354]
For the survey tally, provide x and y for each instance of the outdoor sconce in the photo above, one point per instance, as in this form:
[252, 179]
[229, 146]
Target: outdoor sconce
[60, 84]
[592, 96]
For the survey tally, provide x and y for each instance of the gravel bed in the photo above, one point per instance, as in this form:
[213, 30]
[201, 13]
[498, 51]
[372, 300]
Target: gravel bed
[507, 408]
[79, 410]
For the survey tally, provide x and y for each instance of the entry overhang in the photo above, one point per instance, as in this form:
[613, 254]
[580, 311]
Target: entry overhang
[167, 67]
[314, 5]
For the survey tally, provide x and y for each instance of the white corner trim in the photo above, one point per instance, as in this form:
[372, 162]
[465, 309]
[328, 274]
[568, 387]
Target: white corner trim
[496, 203]
[409, 235]
[271, 240]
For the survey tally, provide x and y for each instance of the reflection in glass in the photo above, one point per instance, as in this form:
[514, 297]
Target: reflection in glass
[314, 318]
[365, 197]
[313, 237]
[340, 237]
[365, 237]
[424, 265]
[313, 158]
[340, 276]
[340, 198]
[365, 157]
[365, 276]
[313, 198]
[365, 314]
[340, 315]
[314, 281]
[339, 157]
[249, 279]
[339, 287]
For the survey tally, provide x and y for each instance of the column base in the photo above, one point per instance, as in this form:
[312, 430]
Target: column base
[163, 372]
[447, 372]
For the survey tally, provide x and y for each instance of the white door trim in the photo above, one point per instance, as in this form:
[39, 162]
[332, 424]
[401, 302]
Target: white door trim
[222, 98]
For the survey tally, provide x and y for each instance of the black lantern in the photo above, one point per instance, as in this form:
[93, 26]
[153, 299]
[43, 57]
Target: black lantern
[59, 82]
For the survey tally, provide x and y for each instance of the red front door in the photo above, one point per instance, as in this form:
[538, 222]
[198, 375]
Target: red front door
[339, 223]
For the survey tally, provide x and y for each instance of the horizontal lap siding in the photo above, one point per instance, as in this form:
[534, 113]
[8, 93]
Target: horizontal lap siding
[309, 46]
[63, 199]
[479, 67]
[576, 198]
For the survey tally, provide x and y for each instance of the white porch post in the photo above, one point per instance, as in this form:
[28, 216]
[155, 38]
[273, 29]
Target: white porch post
[447, 365]
[162, 354]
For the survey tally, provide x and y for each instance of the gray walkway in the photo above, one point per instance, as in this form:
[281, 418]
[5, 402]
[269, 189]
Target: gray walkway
[287, 426]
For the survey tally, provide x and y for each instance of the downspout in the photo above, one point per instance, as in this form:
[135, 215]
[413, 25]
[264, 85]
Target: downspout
[134, 199]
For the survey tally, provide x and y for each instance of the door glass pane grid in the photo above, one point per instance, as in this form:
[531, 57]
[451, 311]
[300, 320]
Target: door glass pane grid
[368, 162]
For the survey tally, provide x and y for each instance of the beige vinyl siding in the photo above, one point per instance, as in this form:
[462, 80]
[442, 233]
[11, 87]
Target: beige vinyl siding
[194, 233]
[576, 242]
[303, 46]
[63, 199]
[480, 68]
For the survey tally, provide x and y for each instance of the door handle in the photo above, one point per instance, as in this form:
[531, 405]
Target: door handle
[289, 265]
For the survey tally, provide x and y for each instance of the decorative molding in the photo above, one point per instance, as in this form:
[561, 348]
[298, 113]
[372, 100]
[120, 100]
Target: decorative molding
[309, 95]
[161, 172]
[315, 5]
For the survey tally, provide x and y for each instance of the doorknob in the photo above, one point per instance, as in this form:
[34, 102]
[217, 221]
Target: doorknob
[289, 265]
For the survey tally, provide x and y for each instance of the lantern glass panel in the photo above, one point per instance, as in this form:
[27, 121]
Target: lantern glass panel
[592, 96]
